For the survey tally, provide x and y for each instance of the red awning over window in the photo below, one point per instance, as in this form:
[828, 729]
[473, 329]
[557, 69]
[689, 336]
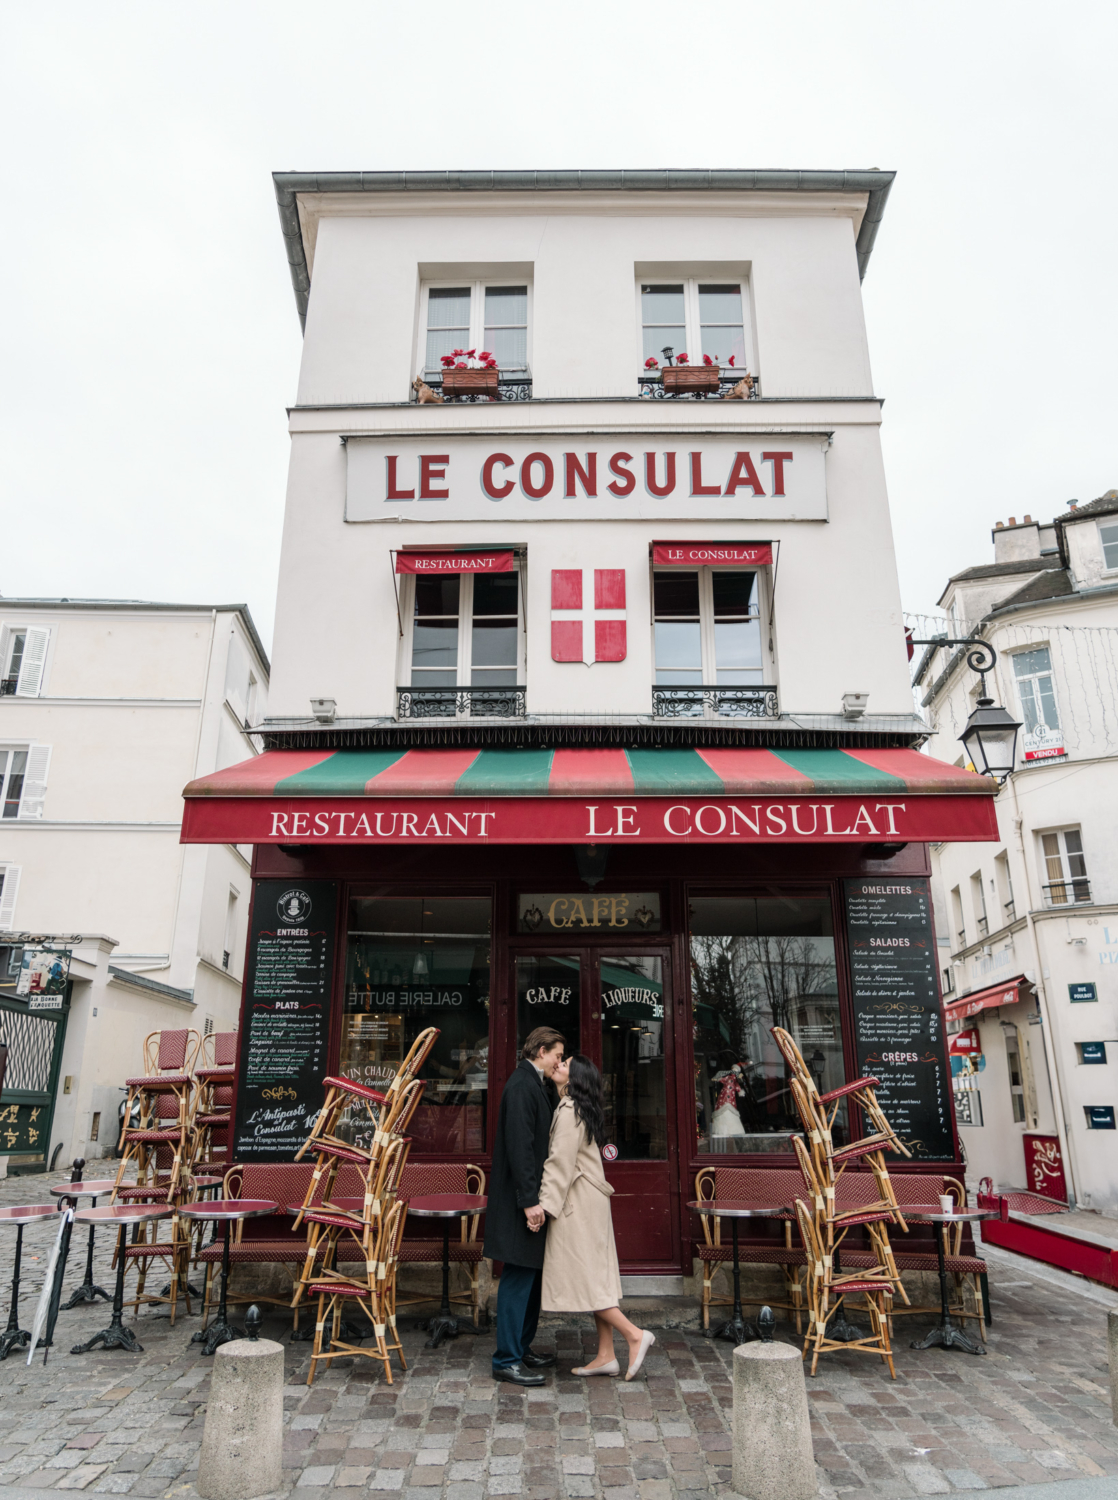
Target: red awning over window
[454, 562]
[711, 554]
[1012, 992]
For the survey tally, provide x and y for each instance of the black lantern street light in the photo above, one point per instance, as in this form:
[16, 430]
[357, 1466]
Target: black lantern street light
[990, 736]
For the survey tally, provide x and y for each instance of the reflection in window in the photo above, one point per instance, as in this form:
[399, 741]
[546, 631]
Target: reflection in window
[414, 962]
[633, 1019]
[758, 963]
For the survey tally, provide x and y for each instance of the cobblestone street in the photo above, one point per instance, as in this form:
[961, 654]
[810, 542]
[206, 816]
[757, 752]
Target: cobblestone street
[1035, 1410]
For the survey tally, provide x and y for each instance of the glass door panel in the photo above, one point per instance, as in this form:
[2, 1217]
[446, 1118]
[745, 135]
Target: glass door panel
[549, 993]
[633, 1064]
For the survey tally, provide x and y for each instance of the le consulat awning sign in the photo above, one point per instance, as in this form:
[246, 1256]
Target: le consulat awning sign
[617, 477]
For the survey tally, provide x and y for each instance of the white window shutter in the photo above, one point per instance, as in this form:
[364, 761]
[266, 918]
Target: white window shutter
[34, 661]
[35, 782]
[8, 893]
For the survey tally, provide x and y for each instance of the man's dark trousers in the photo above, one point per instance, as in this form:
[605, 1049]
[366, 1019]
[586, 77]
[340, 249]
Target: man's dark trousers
[518, 1313]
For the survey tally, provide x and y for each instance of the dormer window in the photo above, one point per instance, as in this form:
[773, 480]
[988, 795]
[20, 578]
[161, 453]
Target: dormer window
[1108, 536]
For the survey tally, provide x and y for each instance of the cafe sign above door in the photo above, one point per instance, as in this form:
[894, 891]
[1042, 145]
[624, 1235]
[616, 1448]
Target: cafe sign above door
[654, 476]
[579, 911]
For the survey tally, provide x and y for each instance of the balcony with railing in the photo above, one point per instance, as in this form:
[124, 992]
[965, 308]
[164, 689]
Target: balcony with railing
[463, 386]
[460, 703]
[1010, 911]
[983, 926]
[8, 686]
[713, 385]
[754, 702]
[1073, 892]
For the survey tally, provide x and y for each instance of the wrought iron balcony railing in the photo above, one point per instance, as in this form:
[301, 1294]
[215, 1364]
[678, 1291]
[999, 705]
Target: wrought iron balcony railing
[1073, 892]
[8, 686]
[983, 926]
[510, 387]
[460, 703]
[652, 385]
[715, 702]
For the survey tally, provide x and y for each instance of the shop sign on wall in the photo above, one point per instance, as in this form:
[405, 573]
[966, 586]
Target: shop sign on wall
[629, 912]
[624, 477]
[43, 973]
[897, 1013]
[283, 1045]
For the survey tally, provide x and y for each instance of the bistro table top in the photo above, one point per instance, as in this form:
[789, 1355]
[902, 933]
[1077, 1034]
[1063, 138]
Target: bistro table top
[731, 1208]
[207, 1182]
[230, 1208]
[447, 1205]
[937, 1216]
[123, 1213]
[89, 1189]
[28, 1213]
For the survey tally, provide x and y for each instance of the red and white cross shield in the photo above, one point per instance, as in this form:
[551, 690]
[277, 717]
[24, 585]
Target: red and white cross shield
[571, 613]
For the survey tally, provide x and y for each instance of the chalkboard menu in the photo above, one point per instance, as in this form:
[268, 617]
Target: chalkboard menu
[897, 1015]
[287, 1018]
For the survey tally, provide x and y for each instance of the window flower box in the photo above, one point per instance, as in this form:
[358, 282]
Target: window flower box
[690, 379]
[470, 383]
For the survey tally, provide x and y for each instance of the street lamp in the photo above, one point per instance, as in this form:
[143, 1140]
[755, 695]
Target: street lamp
[990, 736]
[990, 739]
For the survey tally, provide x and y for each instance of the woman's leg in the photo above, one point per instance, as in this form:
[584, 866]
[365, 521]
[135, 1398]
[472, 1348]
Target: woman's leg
[607, 1320]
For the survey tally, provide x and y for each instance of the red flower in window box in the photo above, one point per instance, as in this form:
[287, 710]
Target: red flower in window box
[652, 363]
[682, 359]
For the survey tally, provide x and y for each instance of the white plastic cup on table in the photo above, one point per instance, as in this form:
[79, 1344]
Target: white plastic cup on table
[946, 1203]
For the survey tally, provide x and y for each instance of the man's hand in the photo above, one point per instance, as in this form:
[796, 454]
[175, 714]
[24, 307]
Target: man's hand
[536, 1217]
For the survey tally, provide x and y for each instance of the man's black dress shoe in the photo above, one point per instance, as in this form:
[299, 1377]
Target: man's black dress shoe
[517, 1375]
[539, 1361]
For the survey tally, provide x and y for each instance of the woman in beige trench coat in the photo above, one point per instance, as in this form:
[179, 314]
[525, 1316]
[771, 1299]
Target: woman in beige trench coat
[580, 1271]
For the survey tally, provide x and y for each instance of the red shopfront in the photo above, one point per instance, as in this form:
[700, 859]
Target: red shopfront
[662, 909]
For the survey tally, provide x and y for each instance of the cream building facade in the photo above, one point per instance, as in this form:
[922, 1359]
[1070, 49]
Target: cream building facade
[1029, 926]
[107, 707]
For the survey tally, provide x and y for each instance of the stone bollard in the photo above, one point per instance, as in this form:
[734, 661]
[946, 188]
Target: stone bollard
[1112, 1352]
[242, 1444]
[773, 1457]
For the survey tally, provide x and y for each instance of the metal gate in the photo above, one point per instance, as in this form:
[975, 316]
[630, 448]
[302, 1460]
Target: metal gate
[34, 1041]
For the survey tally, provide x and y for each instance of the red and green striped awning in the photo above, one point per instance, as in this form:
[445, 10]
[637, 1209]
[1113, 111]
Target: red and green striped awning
[579, 796]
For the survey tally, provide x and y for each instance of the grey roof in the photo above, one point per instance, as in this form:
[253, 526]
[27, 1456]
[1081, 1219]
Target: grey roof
[123, 604]
[1055, 584]
[1103, 506]
[661, 180]
[141, 982]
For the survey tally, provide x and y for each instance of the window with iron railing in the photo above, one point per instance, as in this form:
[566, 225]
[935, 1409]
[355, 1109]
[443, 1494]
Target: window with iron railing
[466, 647]
[1065, 868]
[709, 652]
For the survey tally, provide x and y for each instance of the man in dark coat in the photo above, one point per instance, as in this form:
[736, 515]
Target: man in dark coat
[515, 1224]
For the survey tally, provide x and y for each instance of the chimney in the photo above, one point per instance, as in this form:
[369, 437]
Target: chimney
[1015, 543]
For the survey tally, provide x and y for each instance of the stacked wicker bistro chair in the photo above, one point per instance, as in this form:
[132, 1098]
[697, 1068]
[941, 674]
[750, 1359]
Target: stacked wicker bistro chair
[162, 1150]
[372, 1235]
[824, 1225]
[212, 1120]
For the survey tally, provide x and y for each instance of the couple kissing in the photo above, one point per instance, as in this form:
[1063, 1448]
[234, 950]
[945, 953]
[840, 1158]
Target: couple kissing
[548, 1217]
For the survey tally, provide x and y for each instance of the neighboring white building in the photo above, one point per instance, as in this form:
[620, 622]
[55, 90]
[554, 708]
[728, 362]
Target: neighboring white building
[107, 708]
[1029, 926]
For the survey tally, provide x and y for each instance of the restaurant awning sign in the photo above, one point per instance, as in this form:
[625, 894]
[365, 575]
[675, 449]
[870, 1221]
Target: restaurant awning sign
[626, 476]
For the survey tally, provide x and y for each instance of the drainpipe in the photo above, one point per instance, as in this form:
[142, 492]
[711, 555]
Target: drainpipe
[1048, 1031]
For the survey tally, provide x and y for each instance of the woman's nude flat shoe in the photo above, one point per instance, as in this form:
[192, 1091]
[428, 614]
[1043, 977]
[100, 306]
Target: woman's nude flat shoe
[612, 1368]
[647, 1341]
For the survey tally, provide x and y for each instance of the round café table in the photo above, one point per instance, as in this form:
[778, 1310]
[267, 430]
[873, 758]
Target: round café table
[15, 1337]
[447, 1207]
[116, 1336]
[735, 1329]
[947, 1333]
[225, 1211]
[89, 1291]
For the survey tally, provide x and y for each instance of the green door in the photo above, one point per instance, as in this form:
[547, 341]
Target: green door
[34, 1041]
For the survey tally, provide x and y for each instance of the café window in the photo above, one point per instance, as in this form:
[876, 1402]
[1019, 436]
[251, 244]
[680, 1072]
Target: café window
[467, 630]
[476, 315]
[414, 962]
[759, 962]
[696, 317]
[707, 627]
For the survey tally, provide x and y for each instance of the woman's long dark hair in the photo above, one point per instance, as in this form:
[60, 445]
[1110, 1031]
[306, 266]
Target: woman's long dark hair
[584, 1088]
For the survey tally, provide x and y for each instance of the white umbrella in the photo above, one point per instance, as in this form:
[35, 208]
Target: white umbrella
[65, 1219]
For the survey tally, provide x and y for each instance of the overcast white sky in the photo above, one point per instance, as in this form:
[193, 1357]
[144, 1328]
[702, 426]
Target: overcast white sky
[150, 341]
